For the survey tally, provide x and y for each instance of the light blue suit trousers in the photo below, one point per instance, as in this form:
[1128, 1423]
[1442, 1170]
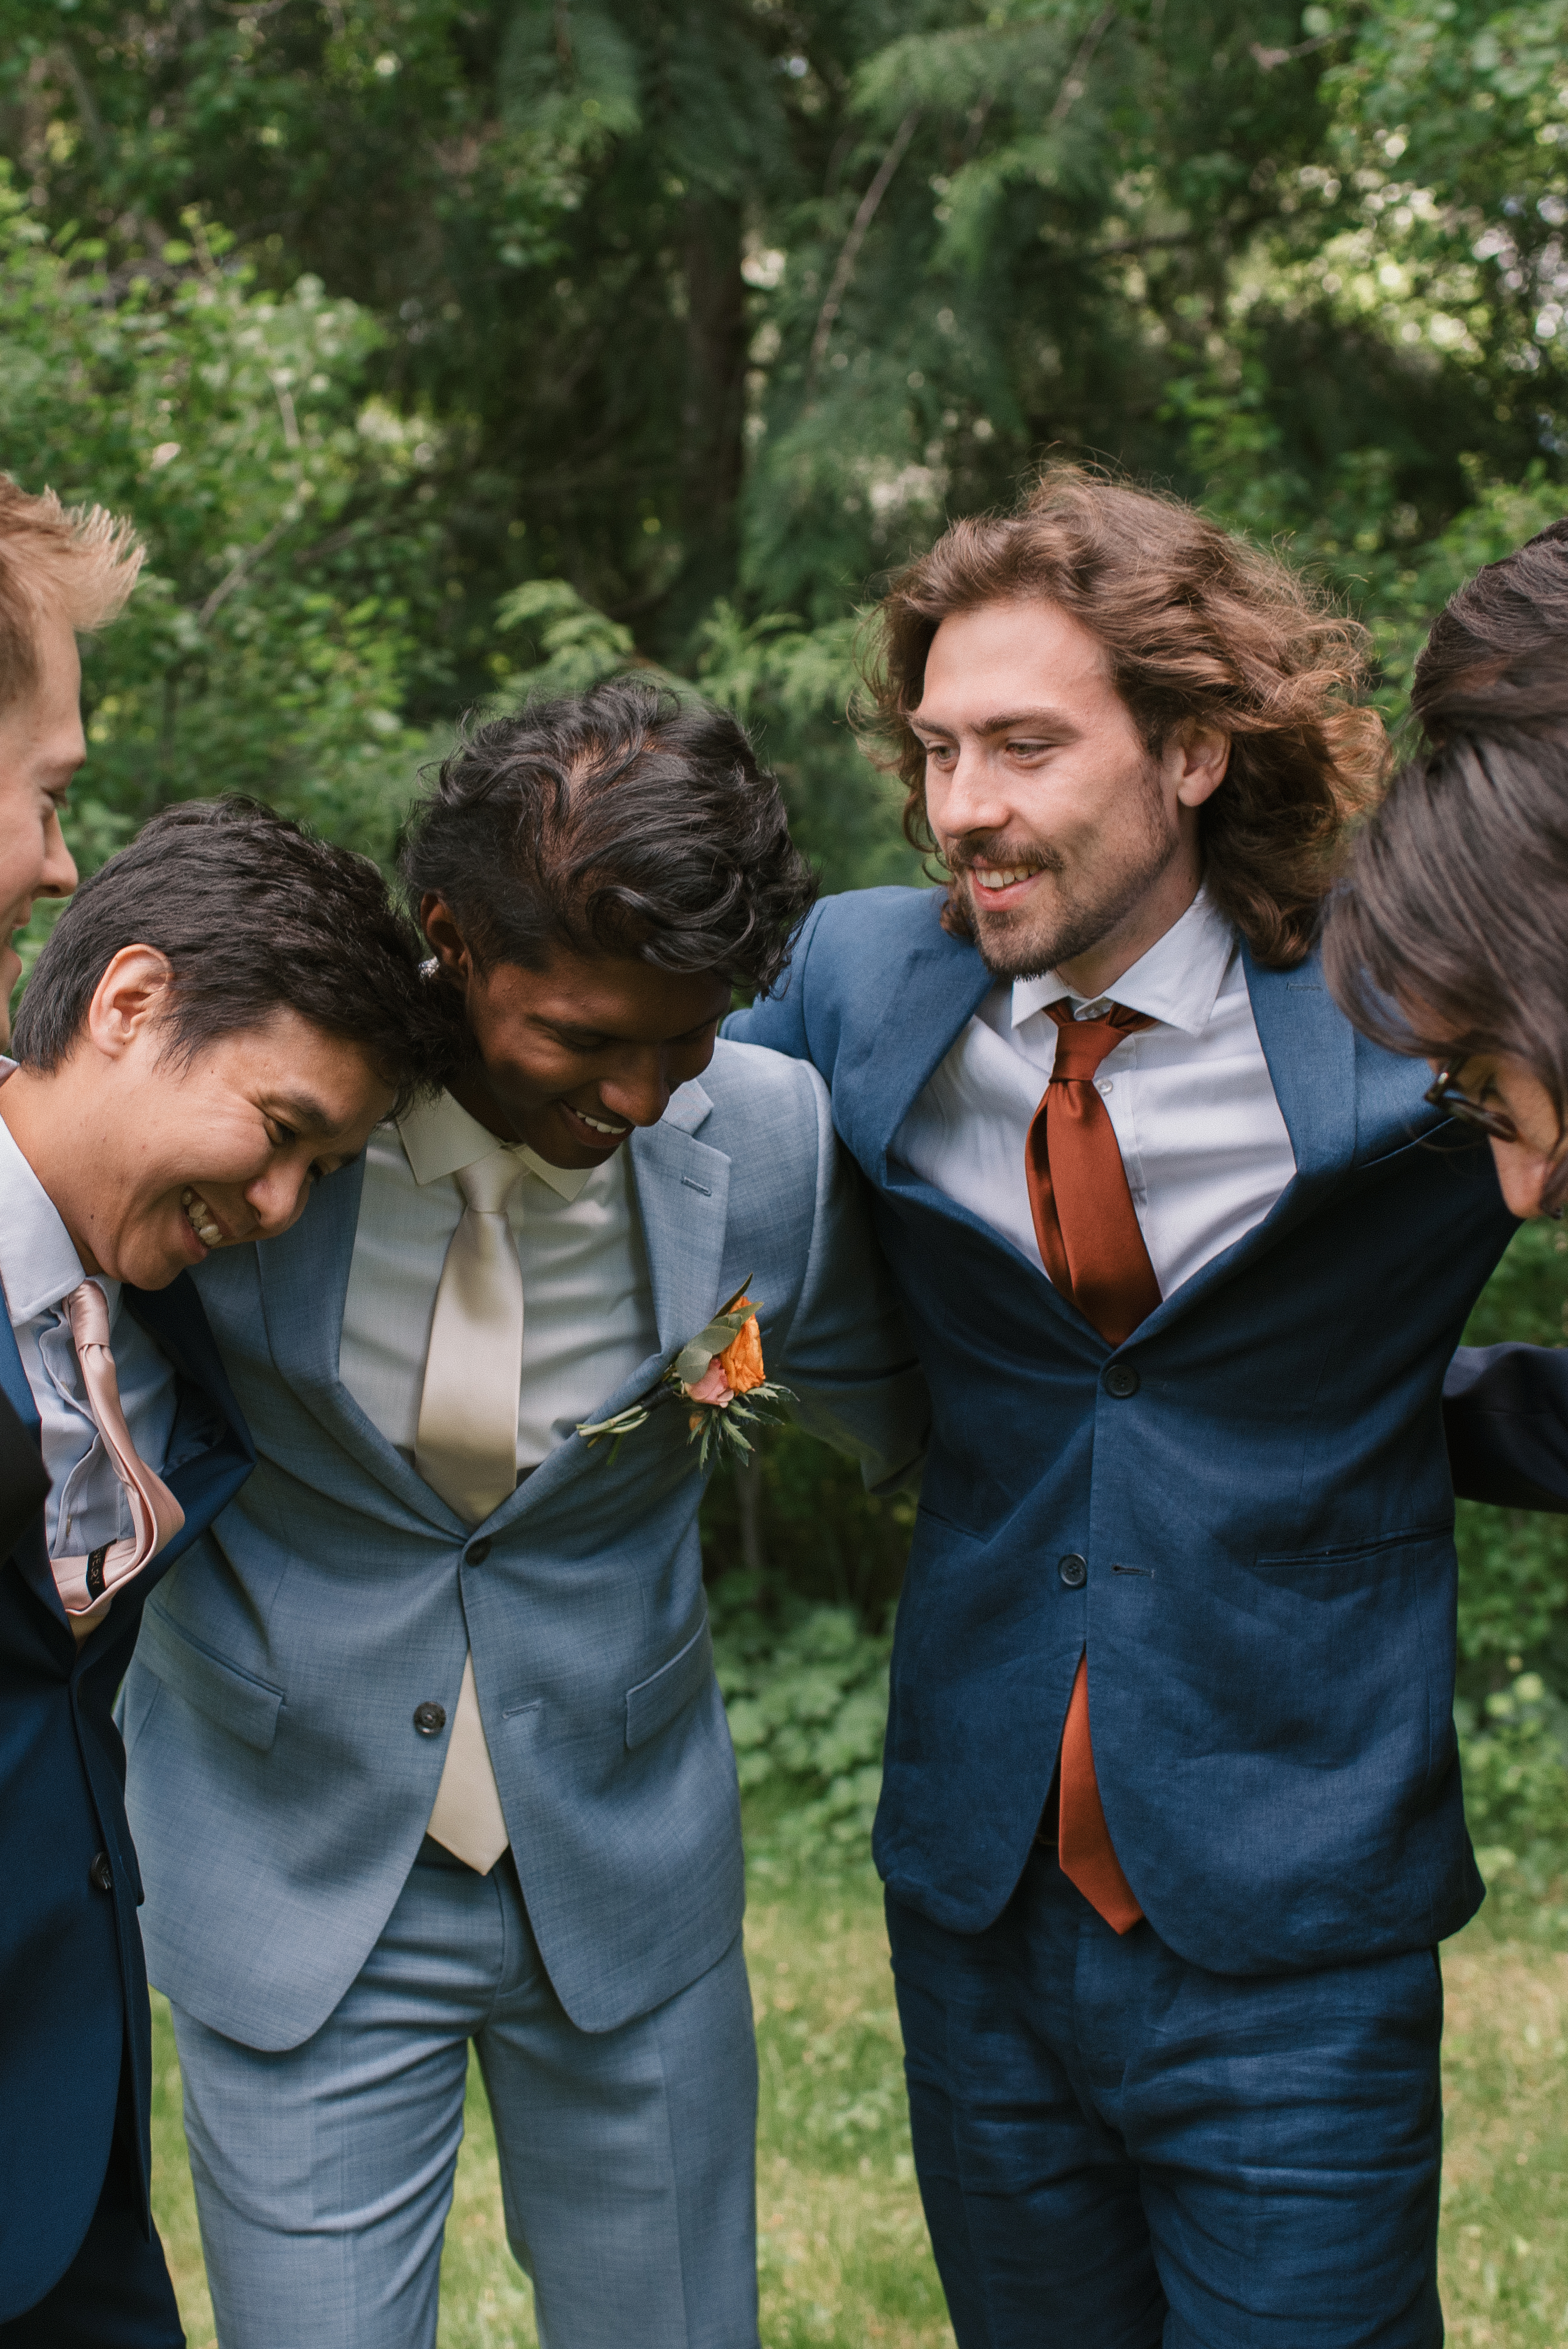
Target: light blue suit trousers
[323, 2173]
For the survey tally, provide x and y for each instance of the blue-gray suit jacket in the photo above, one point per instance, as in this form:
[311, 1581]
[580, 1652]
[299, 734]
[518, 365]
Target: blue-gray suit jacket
[278, 1789]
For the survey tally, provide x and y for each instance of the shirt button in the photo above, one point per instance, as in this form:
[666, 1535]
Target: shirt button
[1105, 1084]
[99, 1872]
[1121, 1381]
[428, 1719]
[1073, 1570]
[478, 1551]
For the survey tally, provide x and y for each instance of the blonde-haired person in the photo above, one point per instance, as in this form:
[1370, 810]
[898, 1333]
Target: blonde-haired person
[1170, 1817]
[62, 572]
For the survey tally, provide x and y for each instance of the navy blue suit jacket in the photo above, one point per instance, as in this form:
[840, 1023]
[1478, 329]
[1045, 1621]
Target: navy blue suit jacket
[73, 1986]
[1257, 1479]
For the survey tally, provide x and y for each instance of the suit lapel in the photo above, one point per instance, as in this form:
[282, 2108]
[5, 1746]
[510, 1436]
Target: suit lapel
[14, 1378]
[683, 1197]
[176, 1318]
[304, 1281]
[209, 1476]
[682, 1190]
[940, 989]
[27, 1547]
[1310, 1047]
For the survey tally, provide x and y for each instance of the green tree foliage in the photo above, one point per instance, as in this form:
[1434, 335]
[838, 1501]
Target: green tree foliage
[709, 310]
[267, 647]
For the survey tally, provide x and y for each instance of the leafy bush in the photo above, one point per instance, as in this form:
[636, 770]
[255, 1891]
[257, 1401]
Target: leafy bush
[805, 1688]
[276, 631]
[1512, 1748]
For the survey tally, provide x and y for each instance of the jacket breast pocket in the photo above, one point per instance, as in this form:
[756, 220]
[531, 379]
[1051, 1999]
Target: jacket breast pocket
[653, 1703]
[234, 1700]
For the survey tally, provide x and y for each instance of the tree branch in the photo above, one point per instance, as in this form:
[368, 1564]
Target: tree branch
[1268, 58]
[88, 114]
[242, 569]
[1072, 87]
[844, 269]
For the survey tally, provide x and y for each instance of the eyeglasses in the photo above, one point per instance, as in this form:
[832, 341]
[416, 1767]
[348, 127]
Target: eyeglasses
[1445, 1093]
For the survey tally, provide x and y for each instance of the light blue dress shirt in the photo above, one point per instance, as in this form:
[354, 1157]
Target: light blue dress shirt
[1203, 1141]
[38, 1268]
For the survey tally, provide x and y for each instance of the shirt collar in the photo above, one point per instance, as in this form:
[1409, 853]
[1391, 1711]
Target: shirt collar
[441, 1138]
[39, 1261]
[1177, 981]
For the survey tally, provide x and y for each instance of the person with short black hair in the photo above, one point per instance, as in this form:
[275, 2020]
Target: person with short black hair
[217, 1022]
[428, 1752]
[250, 916]
[1447, 942]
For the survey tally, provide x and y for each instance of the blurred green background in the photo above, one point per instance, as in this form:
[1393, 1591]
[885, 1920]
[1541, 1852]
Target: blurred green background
[445, 349]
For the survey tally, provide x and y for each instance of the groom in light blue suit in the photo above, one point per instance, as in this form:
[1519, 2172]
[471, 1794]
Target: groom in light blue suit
[416, 1760]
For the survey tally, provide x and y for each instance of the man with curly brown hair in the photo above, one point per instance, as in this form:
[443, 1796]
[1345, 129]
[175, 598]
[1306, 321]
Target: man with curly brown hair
[1171, 1819]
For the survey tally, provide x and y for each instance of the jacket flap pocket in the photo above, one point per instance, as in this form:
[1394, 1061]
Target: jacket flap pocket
[248, 1708]
[653, 1703]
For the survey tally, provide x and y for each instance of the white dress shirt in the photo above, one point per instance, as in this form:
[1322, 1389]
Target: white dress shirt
[1191, 1100]
[38, 1267]
[588, 1304]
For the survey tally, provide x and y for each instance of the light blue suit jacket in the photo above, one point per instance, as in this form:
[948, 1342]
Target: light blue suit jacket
[278, 1789]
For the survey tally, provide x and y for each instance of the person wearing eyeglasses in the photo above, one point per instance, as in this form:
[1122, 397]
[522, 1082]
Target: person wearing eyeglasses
[1447, 940]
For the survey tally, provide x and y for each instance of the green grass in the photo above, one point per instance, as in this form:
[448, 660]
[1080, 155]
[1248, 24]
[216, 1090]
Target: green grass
[842, 2253]
[843, 2257]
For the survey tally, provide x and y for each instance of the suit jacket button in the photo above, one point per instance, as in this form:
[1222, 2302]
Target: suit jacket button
[1121, 1381]
[428, 1719]
[1073, 1570]
[100, 1872]
[478, 1551]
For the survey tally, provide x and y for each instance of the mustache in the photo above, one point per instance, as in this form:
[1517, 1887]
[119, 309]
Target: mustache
[996, 853]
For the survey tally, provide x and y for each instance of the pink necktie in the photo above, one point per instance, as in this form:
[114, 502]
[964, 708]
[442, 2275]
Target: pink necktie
[87, 1585]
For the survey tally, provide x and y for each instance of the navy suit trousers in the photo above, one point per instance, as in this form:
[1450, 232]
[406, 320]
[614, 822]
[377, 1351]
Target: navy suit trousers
[116, 2293]
[1118, 2149]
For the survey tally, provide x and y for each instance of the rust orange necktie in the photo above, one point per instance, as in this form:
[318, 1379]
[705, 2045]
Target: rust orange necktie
[1094, 1251]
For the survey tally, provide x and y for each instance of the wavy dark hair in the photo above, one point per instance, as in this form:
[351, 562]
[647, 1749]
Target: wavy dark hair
[624, 821]
[253, 915]
[1197, 626]
[1447, 937]
[1498, 653]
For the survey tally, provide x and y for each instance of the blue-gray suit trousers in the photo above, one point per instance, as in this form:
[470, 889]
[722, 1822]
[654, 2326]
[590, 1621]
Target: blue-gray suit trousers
[324, 2174]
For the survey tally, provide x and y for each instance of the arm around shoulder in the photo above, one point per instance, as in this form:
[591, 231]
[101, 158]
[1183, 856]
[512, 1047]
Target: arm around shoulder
[778, 1018]
[849, 1358]
[1505, 1414]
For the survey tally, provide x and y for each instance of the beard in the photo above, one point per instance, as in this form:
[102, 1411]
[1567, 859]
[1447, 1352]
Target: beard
[1076, 910]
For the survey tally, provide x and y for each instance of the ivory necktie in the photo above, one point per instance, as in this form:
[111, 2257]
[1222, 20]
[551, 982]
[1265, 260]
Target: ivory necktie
[466, 1448]
[1094, 1252]
[87, 1585]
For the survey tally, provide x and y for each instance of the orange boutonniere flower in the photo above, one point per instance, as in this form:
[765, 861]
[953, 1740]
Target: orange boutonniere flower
[742, 1357]
[709, 1374]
